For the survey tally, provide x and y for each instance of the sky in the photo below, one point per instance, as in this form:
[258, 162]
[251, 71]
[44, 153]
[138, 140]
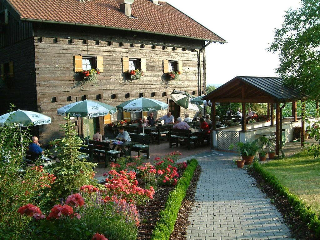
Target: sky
[248, 26]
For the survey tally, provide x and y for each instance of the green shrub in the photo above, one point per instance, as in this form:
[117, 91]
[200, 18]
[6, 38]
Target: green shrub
[168, 216]
[300, 208]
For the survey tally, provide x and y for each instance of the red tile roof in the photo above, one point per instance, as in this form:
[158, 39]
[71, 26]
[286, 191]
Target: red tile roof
[147, 17]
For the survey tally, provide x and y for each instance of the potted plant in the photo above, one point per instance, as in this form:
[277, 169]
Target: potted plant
[271, 146]
[240, 163]
[135, 74]
[174, 75]
[247, 150]
[262, 143]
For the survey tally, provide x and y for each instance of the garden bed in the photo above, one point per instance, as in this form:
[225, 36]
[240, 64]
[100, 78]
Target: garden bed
[149, 213]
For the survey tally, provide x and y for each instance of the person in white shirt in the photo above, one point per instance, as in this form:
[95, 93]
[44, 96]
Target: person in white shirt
[168, 119]
[181, 125]
[187, 118]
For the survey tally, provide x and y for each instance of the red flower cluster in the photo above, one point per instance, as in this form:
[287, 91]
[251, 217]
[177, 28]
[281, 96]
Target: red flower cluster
[98, 236]
[132, 72]
[125, 185]
[89, 188]
[182, 165]
[58, 211]
[167, 171]
[31, 210]
[75, 200]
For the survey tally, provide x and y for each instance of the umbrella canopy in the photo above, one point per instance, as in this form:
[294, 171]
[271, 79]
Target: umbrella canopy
[142, 104]
[24, 118]
[183, 99]
[86, 108]
[197, 100]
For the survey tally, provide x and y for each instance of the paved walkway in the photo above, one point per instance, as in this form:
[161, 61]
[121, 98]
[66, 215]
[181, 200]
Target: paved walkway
[228, 205]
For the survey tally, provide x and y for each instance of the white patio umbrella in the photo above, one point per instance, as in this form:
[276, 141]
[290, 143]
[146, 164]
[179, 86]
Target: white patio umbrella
[142, 104]
[183, 99]
[23, 119]
[86, 108]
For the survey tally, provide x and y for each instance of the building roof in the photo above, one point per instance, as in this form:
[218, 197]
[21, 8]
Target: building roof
[254, 89]
[146, 16]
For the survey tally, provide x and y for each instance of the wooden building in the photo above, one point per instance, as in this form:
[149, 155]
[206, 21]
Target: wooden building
[46, 45]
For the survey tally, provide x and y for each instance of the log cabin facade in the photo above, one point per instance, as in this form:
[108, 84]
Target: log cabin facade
[46, 45]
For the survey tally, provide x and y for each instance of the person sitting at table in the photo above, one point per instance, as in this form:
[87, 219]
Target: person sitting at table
[34, 148]
[151, 120]
[123, 135]
[97, 137]
[181, 125]
[168, 118]
[187, 118]
[204, 126]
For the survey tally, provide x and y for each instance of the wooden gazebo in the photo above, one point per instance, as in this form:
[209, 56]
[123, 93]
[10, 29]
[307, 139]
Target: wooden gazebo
[246, 89]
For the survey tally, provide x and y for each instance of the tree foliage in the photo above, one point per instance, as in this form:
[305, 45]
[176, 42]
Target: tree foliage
[298, 45]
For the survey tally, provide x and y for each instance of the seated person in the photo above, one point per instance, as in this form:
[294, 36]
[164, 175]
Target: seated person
[204, 126]
[151, 120]
[122, 136]
[187, 118]
[181, 125]
[34, 148]
[168, 118]
[97, 137]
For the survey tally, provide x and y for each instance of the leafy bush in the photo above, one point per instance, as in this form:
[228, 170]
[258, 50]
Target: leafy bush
[71, 172]
[300, 208]
[168, 216]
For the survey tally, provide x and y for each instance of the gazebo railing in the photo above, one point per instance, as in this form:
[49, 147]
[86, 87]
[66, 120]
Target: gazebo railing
[227, 138]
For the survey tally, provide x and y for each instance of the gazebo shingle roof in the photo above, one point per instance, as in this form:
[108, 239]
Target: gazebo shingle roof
[147, 16]
[256, 89]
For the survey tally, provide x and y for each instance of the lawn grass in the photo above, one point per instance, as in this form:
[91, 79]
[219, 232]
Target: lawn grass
[301, 175]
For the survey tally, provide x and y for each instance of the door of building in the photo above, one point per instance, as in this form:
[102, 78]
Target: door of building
[174, 109]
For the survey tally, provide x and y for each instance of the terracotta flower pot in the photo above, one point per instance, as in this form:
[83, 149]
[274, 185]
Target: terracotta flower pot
[262, 157]
[240, 163]
[271, 155]
[247, 159]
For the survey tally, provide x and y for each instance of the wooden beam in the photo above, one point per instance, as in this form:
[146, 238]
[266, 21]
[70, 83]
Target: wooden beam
[268, 111]
[278, 130]
[272, 115]
[244, 120]
[246, 100]
[213, 116]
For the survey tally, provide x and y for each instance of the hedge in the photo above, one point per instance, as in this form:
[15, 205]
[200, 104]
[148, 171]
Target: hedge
[169, 214]
[300, 208]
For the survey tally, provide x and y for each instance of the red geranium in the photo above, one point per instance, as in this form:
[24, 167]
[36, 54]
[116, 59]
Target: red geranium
[75, 200]
[98, 236]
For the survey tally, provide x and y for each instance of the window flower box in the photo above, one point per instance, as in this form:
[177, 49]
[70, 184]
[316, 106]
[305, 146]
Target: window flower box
[135, 74]
[174, 75]
[90, 75]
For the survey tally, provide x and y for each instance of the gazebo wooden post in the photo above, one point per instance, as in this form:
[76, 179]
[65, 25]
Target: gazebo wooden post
[294, 111]
[303, 108]
[244, 120]
[268, 111]
[278, 130]
[213, 116]
[272, 115]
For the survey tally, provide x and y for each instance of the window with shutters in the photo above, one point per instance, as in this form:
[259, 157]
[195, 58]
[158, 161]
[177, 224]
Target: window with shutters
[88, 68]
[133, 68]
[86, 63]
[172, 69]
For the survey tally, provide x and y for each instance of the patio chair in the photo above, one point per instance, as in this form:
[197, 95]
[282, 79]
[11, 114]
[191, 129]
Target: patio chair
[141, 144]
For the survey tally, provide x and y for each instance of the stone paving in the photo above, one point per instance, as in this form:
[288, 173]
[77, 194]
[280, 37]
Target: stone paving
[228, 204]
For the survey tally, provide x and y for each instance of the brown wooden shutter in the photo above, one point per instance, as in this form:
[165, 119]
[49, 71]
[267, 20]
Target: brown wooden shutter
[78, 63]
[11, 69]
[165, 66]
[100, 63]
[143, 64]
[180, 66]
[125, 64]
[127, 116]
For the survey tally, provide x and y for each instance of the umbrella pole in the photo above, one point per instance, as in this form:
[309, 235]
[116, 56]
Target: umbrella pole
[21, 140]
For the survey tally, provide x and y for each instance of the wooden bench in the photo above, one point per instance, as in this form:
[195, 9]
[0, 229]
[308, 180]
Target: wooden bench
[182, 136]
[140, 144]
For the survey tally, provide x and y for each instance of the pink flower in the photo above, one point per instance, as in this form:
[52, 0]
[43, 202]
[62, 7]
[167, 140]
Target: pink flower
[98, 236]
[57, 211]
[31, 210]
[75, 200]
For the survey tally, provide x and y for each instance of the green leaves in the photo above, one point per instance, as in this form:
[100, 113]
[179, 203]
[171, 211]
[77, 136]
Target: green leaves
[298, 45]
